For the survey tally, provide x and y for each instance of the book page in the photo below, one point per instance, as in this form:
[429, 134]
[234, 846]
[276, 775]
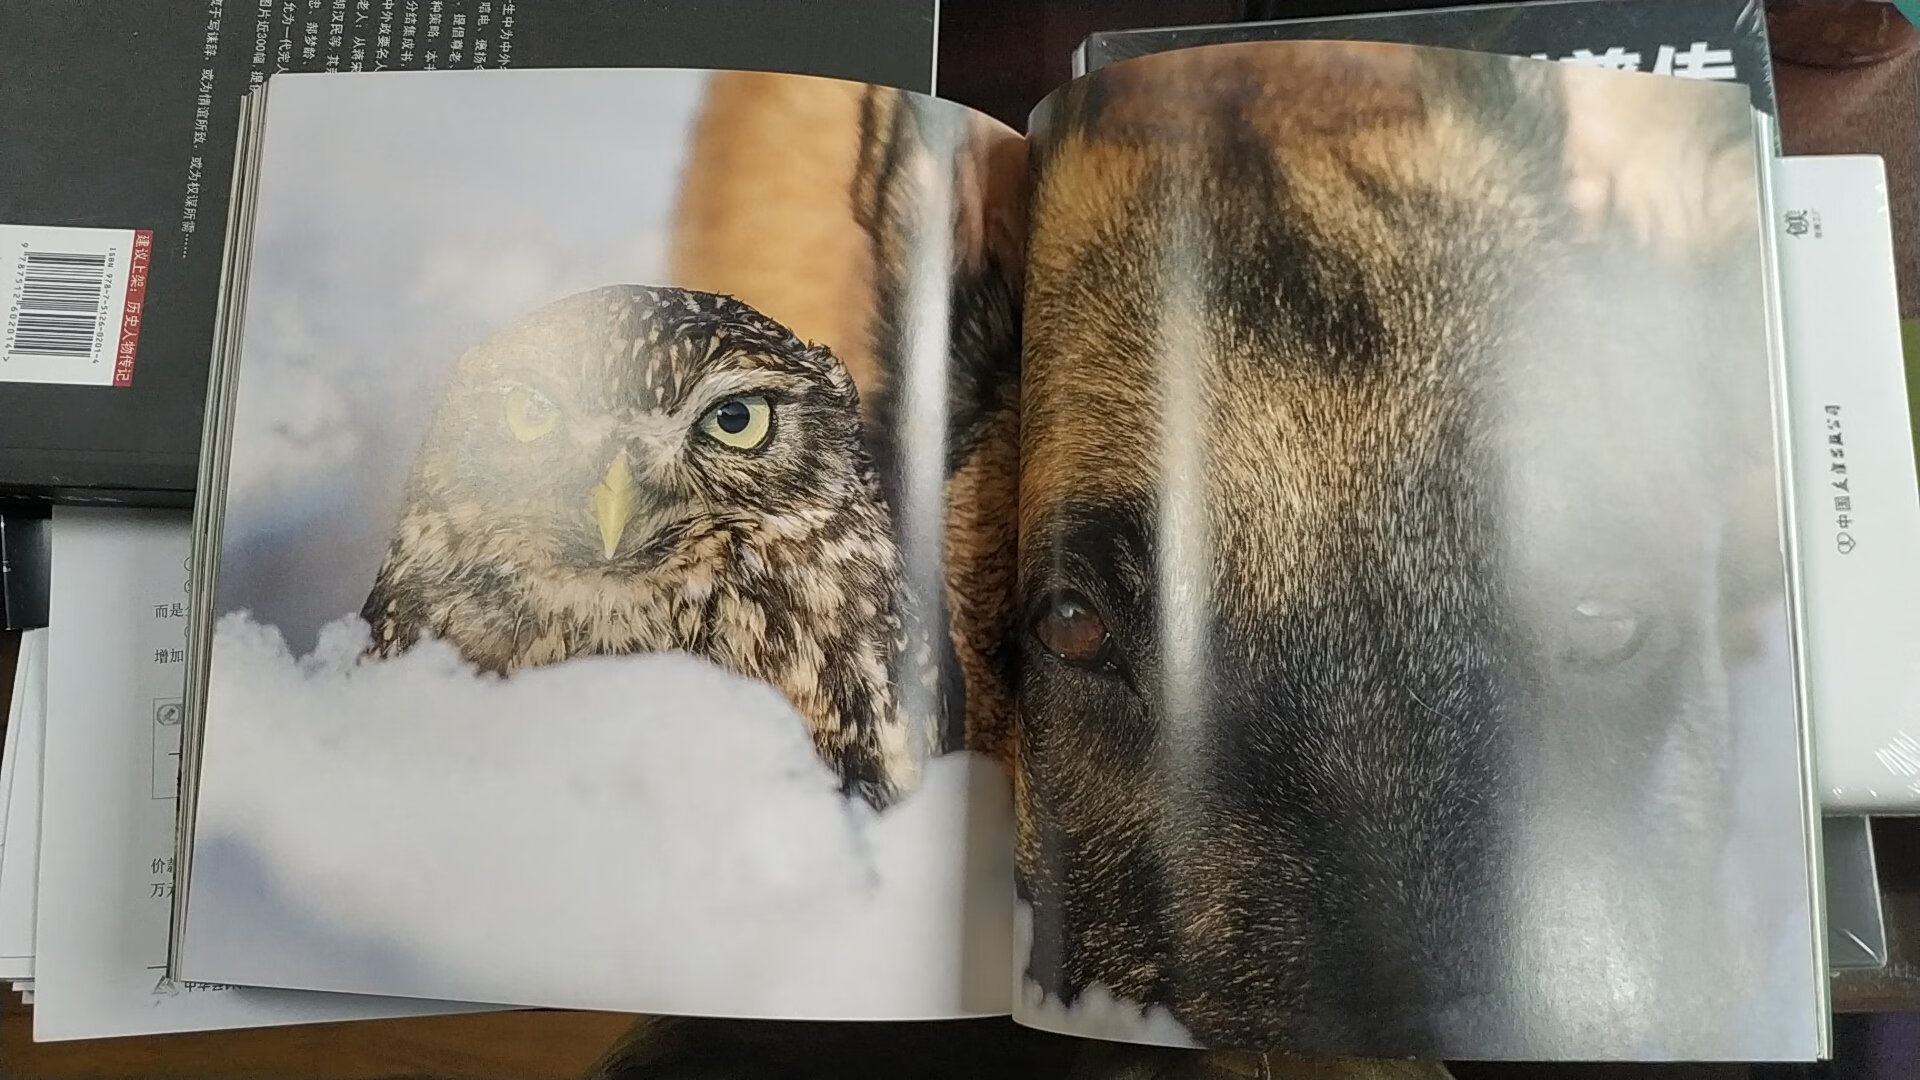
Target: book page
[9, 757]
[10, 761]
[113, 686]
[20, 859]
[1409, 668]
[609, 603]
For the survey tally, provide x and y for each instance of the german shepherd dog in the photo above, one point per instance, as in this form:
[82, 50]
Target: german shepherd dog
[834, 208]
[1396, 498]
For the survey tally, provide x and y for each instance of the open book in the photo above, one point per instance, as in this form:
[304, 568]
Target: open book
[1291, 552]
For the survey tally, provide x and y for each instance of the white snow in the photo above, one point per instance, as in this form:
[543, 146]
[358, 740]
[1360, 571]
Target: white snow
[644, 833]
[1096, 1012]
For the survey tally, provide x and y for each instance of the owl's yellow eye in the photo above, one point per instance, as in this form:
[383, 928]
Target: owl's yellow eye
[740, 422]
[529, 414]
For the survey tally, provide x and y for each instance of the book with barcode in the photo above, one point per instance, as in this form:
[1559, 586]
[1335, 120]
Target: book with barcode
[117, 122]
[1289, 552]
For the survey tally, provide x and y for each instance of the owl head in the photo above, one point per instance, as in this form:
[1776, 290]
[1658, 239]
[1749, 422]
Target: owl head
[613, 428]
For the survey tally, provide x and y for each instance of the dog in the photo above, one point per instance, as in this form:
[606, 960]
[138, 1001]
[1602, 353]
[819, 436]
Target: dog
[1371, 681]
[886, 207]
[1377, 603]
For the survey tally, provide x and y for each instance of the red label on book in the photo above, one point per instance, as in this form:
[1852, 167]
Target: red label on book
[135, 305]
[71, 303]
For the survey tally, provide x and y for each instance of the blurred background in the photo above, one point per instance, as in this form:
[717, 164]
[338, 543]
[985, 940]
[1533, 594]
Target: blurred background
[368, 282]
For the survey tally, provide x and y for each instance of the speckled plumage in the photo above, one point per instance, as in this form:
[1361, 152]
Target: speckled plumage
[617, 520]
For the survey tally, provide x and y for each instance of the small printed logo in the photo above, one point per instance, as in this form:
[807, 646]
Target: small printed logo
[1802, 223]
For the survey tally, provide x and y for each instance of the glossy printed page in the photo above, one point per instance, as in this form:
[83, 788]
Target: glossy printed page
[612, 454]
[107, 828]
[1407, 642]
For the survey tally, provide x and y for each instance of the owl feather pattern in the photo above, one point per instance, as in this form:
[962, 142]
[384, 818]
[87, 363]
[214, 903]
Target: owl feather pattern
[636, 469]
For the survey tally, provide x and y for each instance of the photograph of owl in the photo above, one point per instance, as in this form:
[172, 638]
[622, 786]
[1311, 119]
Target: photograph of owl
[638, 469]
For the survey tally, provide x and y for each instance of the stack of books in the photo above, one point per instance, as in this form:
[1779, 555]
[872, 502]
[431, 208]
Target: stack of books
[1333, 541]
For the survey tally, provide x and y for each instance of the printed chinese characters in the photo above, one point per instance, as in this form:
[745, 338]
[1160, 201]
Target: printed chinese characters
[1843, 538]
[160, 871]
[1697, 61]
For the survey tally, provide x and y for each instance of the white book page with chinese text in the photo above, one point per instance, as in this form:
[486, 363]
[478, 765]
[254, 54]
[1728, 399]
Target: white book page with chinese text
[117, 667]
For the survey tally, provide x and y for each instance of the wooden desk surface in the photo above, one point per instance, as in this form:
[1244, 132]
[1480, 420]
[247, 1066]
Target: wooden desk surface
[531, 1044]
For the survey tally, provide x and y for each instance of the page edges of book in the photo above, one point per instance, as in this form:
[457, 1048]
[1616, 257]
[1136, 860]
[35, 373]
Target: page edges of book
[1780, 375]
[209, 507]
[19, 862]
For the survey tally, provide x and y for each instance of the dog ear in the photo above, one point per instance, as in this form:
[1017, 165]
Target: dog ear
[1516, 101]
[1658, 162]
[937, 189]
[1670, 162]
[762, 208]
[941, 195]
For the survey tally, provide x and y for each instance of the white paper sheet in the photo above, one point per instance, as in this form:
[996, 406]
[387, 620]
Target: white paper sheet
[20, 698]
[8, 759]
[118, 619]
[19, 860]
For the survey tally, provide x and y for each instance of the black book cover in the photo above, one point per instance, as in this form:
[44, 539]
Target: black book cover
[1705, 39]
[124, 116]
[26, 564]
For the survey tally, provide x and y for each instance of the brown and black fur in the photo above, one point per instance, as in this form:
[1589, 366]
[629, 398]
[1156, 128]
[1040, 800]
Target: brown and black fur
[845, 210]
[776, 562]
[1299, 835]
[837, 241]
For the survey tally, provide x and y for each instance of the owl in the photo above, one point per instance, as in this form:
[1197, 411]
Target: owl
[640, 469]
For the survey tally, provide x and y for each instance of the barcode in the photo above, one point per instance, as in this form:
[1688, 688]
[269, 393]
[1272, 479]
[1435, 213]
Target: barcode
[71, 303]
[61, 306]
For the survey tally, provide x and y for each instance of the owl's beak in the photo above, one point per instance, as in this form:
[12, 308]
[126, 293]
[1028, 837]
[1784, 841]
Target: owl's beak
[612, 502]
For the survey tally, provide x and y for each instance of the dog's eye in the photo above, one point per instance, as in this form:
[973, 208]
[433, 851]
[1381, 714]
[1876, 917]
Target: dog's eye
[1071, 630]
[1601, 634]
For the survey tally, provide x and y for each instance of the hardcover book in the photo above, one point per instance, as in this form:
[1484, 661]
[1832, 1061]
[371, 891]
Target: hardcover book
[1290, 552]
[1723, 40]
